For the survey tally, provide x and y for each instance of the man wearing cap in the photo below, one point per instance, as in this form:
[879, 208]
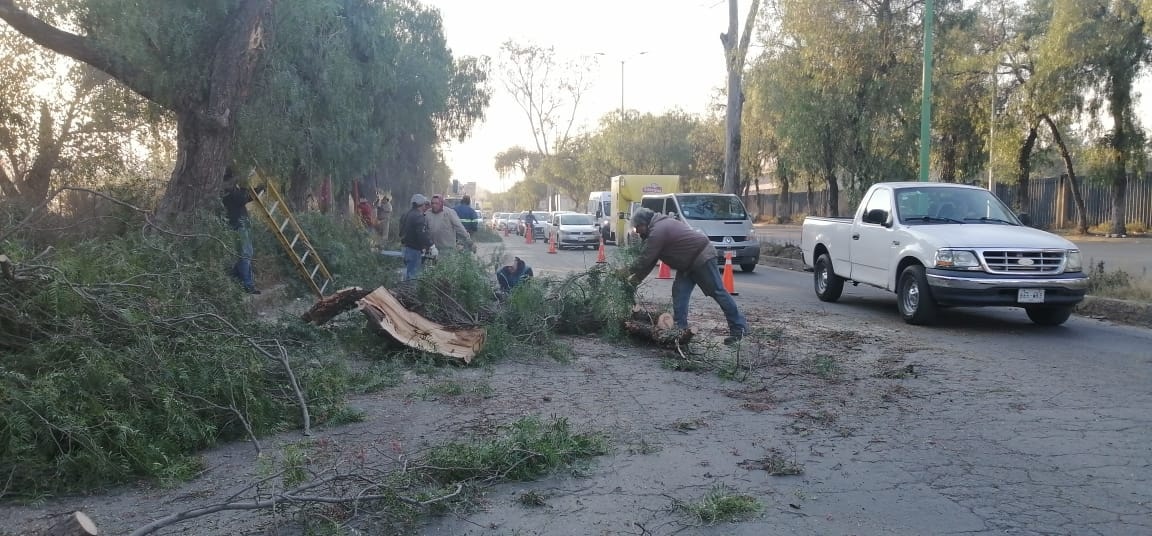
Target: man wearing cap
[692, 256]
[445, 228]
[414, 236]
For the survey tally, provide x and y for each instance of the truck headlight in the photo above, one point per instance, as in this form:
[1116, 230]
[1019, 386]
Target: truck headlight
[956, 259]
[1073, 262]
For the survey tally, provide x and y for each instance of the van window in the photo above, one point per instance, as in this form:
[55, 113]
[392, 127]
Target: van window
[657, 205]
[711, 207]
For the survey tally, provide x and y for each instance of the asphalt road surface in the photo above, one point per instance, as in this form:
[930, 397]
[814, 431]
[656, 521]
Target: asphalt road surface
[1014, 428]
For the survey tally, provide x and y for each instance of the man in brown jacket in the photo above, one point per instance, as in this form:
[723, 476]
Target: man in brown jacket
[692, 256]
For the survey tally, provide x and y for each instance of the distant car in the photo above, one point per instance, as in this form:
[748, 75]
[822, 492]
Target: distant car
[494, 220]
[574, 230]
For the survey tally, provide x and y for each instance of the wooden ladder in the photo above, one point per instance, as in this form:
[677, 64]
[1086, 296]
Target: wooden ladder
[299, 248]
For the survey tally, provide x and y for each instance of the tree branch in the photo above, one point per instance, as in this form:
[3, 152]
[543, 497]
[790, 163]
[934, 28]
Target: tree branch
[82, 49]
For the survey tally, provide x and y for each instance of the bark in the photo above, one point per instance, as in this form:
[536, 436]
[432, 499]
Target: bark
[1022, 203]
[1073, 182]
[784, 199]
[735, 52]
[299, 188]
[329, 307]
[948, 157]
[1119, 103]
[206, 124]
[417, 332]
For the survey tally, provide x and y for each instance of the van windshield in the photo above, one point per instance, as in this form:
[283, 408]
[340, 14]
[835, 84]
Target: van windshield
[575, 219]
[711, 207]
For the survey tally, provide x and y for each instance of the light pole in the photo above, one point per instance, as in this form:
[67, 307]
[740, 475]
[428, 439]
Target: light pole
[622, 61]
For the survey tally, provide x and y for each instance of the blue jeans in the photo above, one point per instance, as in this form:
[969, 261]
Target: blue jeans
[707, 277]
[413, 260]
[242, 270]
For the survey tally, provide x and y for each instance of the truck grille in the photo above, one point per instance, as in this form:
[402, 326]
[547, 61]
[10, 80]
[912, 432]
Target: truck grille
[721, 238]
[1049, 261]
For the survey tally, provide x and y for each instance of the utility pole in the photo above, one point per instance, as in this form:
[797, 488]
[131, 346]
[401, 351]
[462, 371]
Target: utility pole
[926, 98]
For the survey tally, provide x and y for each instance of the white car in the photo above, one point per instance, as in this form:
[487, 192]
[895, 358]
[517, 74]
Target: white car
[573, 229]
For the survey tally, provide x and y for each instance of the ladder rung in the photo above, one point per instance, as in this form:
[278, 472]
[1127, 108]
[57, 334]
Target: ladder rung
[324, 286]
[272, 209]
[294, 240]
[285, 224]
[305, 256]
[314, 270]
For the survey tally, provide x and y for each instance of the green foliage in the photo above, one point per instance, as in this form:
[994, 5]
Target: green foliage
[345, 247]
[722, 504]
[130, 354]
[525, 449]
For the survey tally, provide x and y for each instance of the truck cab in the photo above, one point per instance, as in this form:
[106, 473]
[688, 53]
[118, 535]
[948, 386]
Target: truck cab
[599, 206]
[721, 217]
[627, 191]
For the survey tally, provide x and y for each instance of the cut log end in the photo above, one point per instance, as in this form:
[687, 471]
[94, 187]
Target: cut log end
[76, 524]
[660, 329]
[417, 332]
[329, 307]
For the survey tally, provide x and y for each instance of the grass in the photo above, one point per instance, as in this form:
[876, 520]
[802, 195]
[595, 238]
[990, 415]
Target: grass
[722, 504]
[824, 367]
[1118, 284]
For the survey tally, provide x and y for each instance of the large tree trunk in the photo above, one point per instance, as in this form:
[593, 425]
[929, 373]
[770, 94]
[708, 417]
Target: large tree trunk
[1022, 203]
[207, 124]
[948, 157]
[735, 52]
[1073, 182]
[299, 188]
[1119, 104]
[833, 205]
[784, 199]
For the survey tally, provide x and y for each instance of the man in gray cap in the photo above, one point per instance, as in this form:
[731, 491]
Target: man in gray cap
[692, 256]
[414, 236]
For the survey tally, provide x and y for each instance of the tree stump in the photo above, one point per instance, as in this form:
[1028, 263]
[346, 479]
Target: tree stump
[657, 328]
[76, 524]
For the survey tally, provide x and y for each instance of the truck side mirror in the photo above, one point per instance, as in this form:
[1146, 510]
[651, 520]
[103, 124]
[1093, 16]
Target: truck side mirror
[877, 216]
[599, 214]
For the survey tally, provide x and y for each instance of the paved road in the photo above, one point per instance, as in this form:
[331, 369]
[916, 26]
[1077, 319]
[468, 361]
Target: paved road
[1133, 255]
[1013, 428]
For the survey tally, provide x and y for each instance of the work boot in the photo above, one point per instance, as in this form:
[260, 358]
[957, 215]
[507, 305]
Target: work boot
[734, 338]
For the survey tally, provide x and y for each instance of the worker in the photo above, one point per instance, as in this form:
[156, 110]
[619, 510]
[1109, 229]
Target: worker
[467, 214]
[445, 228]
[691, 254]
[235, 198]
[512, 273]
[414, 236]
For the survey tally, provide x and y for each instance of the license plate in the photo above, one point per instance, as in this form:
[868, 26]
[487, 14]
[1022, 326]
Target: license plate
[1030, 295]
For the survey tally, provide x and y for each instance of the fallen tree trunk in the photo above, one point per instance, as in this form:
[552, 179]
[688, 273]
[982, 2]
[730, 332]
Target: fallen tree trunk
[417, 332]
[328, 308]
[658, 328]
[76, 524]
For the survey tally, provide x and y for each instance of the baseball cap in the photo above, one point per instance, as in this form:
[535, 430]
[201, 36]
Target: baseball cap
[419, 199]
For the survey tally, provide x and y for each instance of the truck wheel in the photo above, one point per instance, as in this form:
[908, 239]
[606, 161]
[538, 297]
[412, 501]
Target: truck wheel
[828, 285]
[1049, 316]
[914, 298]
[748, 267]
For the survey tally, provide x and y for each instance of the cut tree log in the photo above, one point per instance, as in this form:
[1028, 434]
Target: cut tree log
[76, 524]
[417, 332]
[329, 307]
[660, 329]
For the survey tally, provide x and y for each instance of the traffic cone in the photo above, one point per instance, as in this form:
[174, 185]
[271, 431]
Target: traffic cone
[506, 232]
[729, 278]
[529, 235]
[665, 272]
[601, 258]
[552, 243]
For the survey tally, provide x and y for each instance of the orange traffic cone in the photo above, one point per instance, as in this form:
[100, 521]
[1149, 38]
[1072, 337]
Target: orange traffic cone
[665, 272]
[601, 258]
[729, 278]
[506, 232]
[529, 235]
[552, 243]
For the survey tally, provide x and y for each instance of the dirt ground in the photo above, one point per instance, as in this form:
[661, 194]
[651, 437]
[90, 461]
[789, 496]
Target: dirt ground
[812, 395]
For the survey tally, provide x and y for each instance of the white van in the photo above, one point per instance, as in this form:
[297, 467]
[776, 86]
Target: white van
[722, 217]
[600, 208]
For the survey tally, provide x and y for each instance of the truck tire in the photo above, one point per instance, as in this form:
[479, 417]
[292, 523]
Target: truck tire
[748, 267]
[1052, 315]
[827, 284]
[914, 298]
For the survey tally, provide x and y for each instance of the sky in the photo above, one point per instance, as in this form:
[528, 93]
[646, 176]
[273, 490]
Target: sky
[682, 65]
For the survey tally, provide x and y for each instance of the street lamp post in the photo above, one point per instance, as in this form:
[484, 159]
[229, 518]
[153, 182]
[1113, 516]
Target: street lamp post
[622, 61]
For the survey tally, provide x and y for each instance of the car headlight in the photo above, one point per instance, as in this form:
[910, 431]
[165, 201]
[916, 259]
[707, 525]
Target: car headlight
[957, 259]
[1073, 262]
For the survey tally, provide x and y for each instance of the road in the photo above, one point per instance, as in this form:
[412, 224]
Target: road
[1133, 255]
[1008, 427]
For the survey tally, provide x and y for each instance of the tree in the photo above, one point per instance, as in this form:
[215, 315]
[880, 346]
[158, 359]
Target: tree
[735, 52]
[547, 89]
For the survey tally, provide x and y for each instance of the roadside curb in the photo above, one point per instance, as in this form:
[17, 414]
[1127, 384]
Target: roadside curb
[1113, 310]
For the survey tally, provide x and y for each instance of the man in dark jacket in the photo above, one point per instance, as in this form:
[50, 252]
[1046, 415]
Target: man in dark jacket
[514, 272]
[235, 199]
[467, 215]
[414, 236]
[692, 256]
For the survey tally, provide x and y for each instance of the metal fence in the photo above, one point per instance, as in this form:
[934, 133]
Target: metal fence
[1051, 204]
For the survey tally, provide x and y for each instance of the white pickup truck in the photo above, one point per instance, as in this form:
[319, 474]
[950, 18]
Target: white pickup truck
[942, 245]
